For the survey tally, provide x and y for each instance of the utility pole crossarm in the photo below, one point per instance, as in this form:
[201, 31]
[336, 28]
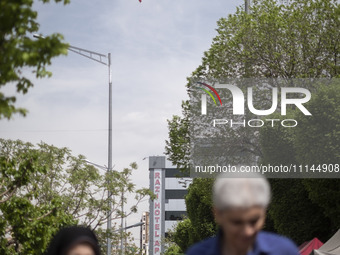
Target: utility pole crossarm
[89, 54]
[86, 53]
[131, 226]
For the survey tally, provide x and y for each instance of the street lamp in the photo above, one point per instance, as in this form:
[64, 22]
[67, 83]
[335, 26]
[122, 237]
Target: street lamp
[105, 60]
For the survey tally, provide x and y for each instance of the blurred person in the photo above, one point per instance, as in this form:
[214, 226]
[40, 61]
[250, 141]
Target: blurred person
[74, 240]
[239, 207]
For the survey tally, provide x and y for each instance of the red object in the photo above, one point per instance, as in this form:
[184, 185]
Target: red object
[140, 1]
[307, 247]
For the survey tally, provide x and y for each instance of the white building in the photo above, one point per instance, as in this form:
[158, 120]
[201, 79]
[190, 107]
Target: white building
[144, 241]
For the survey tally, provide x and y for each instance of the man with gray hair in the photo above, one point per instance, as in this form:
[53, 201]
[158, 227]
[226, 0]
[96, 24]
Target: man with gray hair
[240, 210]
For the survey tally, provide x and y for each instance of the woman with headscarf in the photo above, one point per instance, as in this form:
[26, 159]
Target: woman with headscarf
[74, 240]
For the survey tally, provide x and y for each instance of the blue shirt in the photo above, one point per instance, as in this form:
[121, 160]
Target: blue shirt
[265, 244]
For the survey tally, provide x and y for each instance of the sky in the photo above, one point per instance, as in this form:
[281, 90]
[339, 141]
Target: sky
[155, 45]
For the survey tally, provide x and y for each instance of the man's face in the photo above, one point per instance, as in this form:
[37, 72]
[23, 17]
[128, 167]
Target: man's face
[81, 249]
[240, 225]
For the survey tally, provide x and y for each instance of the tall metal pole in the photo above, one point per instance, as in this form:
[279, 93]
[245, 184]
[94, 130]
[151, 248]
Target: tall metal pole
[246, 6]
[246, 64]
[140, 238]
[125, 237]
[98, 57]
[122, 226]
[109, 169]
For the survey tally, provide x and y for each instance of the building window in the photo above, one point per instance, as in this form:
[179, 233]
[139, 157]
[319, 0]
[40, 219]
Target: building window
[175, 194]
[175, 215]
[173, 172]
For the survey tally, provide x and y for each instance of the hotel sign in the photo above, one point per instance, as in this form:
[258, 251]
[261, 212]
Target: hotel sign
[157, 213]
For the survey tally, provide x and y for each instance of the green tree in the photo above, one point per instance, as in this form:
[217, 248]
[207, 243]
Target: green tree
[274, 41]
[298, 39]
[277, 149]
[19, 50]
[25, 225]
[183, 235]
[200, 223]
[301, 222]
[44, 188]
[178, 146]
[173, 249]
[294, 40]
[314, 141]
[294, 214]
[317, 141]
[317, 138]
[199, 207]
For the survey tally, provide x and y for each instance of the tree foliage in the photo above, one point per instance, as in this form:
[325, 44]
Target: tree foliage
[276, 40]
[299, 39]
[20, 51]
[183, 235]
[200, 223]
[199, 207]
[317, 141]
[178, 145]
[314, 141]
[296, 39]
[44, 188]
[173, 249]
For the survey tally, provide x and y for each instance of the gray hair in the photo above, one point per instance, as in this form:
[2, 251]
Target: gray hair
[241, 192]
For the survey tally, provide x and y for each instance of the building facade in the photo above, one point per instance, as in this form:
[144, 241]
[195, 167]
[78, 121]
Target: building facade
[144, 235]
[170, 186]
